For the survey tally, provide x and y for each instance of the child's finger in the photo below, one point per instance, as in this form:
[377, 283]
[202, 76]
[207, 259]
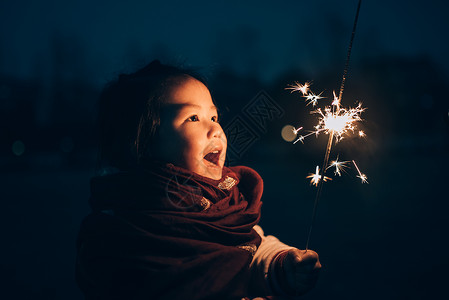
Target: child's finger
[308, 259]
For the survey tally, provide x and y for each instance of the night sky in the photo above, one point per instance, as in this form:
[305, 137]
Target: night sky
[382, 240]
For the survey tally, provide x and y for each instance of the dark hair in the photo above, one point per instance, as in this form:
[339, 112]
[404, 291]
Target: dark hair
[129, 113]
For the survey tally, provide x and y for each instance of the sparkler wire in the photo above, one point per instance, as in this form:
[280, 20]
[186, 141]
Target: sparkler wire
[345, 71]
[320, 184]
[331, 133]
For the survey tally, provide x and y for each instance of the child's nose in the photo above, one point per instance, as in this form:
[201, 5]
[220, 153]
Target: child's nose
[215, 131]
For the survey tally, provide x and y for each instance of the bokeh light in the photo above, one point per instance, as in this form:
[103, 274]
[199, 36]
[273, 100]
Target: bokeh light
[18, 148]
[288, 133]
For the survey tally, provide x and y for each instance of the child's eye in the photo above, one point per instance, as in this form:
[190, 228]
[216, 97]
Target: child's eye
[194, 118]
[214, 119]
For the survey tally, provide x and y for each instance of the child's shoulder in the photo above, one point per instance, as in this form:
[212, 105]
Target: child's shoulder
[247, 176]
[244, 171]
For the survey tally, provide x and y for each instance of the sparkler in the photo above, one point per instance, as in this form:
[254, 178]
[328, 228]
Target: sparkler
[334, 120]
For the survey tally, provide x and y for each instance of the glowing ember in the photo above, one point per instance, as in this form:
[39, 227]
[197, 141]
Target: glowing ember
[316, 177]
[336, 101]
[339, 166]
[312, 98]
[361, 175]
[295, 130]
[298, 87]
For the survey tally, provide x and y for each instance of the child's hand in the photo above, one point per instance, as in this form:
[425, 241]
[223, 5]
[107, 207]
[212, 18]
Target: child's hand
[300, 271]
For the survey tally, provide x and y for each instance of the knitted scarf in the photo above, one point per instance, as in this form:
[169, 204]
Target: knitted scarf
[163, 232]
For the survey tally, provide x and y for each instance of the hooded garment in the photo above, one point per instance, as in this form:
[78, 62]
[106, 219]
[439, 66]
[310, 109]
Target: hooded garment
[163, 232]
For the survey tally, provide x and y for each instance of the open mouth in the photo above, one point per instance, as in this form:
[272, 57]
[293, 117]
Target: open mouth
[213, 157]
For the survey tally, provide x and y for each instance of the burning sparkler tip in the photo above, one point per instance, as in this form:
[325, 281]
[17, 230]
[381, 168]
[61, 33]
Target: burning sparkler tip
[334, 120]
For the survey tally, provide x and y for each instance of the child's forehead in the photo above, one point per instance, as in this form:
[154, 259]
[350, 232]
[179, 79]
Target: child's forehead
[189, 94]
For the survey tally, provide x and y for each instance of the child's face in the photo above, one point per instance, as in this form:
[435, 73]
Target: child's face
[189, 134]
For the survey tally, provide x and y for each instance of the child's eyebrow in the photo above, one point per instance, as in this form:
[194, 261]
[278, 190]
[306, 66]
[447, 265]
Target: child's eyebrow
[179, 106]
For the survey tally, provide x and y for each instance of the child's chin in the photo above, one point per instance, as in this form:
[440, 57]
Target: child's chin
[214, 173]
[210, 170]
[218, 177]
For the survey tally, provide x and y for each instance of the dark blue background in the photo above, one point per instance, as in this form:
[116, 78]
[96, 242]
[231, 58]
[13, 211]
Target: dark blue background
[384, 240]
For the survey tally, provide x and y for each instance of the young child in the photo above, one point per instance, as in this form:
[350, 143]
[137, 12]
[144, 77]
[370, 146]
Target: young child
[169, 220]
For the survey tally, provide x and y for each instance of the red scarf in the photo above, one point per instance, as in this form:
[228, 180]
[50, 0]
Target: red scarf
[166, 233]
